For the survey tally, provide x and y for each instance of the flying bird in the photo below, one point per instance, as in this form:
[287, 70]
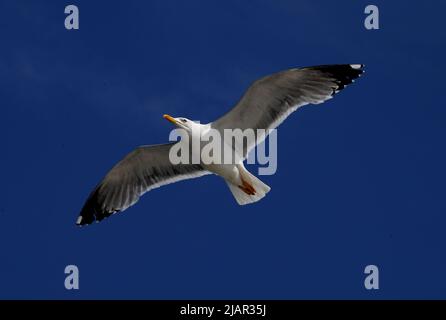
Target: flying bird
[266, 104]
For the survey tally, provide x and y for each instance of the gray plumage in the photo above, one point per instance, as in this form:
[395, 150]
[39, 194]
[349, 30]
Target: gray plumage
[270, 100]
[145, 168]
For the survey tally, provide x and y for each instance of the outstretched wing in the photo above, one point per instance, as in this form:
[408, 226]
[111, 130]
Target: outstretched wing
[270, 100]
[143, 169]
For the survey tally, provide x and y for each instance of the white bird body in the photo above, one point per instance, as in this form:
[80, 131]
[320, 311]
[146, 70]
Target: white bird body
[229, 172]
[237, 179]
[245, 187]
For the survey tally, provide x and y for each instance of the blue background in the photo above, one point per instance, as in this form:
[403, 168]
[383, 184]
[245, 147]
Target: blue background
[360, 180]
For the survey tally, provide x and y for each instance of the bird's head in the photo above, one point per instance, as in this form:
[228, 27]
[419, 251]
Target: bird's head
[181, 122]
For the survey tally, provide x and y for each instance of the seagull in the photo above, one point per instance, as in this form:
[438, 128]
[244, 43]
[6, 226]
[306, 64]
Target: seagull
[265, 105]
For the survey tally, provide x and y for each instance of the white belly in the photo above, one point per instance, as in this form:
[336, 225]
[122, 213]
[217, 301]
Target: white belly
[229, 172]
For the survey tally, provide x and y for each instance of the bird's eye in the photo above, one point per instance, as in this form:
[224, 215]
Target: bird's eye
[183, 120]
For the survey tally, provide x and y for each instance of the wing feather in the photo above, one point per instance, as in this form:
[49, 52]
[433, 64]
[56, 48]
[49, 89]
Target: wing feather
[270, 100]
[143, 169]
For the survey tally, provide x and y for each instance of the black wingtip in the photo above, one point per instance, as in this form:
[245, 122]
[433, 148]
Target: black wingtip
[91, 211]
[79, 221]
[343, 74]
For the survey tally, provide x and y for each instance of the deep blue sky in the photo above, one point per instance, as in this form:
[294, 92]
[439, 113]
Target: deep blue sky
[360, 180]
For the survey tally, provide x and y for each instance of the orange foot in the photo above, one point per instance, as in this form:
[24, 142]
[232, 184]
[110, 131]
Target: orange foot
[247, 188]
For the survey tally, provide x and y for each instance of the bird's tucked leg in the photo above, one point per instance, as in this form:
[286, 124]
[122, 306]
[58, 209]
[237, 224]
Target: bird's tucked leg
[247, 188]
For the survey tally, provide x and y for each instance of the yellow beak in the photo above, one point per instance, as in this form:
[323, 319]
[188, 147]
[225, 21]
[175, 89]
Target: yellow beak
[171, 119]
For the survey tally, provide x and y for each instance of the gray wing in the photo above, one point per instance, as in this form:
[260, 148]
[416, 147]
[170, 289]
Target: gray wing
[270, 100]
[143, 169]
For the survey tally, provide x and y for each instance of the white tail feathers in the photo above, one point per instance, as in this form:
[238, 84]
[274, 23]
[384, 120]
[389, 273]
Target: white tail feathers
[241, 196]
